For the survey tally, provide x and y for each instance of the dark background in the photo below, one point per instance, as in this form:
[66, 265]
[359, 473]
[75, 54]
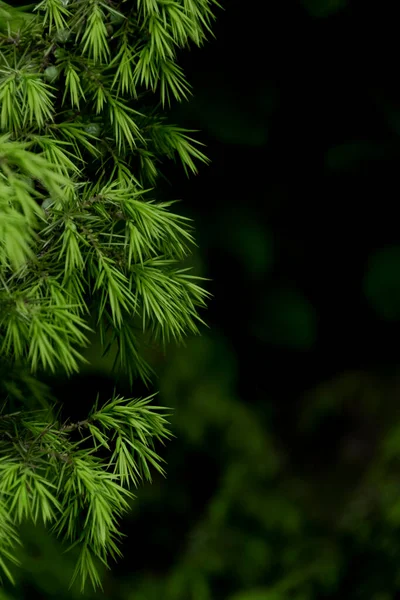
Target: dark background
[283, 480]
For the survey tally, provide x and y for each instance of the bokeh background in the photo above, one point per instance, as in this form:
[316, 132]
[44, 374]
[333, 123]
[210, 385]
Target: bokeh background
[284, 477]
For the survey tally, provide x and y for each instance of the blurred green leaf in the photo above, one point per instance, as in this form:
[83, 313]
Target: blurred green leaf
[46, 564]
[230, 117]
[349, 155]
[249, 241]
[257, 557]
[382, 283]
[287, 319]
[258, 594]
[273, 511]
[391, 443]
[323, 8]
[231, 125]
[204, 357]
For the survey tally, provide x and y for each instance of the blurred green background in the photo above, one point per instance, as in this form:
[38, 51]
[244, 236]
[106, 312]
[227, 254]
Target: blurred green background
[284, 476]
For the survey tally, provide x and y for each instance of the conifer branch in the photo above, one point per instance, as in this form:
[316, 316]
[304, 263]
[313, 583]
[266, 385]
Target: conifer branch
[85, 247]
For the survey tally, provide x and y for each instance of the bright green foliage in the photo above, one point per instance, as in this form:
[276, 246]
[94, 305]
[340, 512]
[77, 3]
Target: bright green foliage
[46, 475]
[84, 247]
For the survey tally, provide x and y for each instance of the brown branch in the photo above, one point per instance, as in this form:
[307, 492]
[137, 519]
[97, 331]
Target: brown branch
[74, 426]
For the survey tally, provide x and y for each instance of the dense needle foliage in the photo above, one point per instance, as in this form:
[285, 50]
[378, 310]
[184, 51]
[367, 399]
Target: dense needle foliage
[84, 247]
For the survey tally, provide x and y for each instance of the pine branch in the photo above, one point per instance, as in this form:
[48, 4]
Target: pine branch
[84, 247]
[46, 476]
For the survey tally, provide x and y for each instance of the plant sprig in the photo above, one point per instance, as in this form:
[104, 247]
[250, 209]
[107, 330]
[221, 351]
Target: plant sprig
[85, 247]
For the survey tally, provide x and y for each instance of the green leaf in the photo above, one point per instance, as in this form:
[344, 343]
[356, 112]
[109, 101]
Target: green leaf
[382, 282]
[324, 8]
[259, 594]
[286, 319]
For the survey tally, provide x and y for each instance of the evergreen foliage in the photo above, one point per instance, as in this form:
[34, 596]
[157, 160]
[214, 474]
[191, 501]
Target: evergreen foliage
[84, 247]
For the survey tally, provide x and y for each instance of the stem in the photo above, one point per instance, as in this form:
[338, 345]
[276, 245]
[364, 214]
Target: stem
[74, 426]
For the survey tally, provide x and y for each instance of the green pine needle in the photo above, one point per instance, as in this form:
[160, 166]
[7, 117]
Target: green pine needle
[84, 246]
